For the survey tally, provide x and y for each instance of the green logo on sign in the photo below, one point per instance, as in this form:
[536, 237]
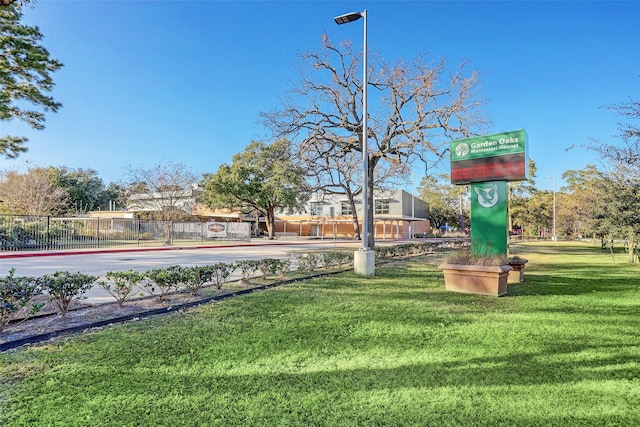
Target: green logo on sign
[462, 149]
[487, 196]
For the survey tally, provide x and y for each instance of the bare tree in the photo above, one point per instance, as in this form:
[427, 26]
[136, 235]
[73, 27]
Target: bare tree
[340, 173]
[164, 191]
[31, 193]
[627, 154]
[415, 108]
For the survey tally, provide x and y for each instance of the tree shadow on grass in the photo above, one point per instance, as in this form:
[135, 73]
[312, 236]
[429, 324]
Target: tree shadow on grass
[575, 280]
[430, 392]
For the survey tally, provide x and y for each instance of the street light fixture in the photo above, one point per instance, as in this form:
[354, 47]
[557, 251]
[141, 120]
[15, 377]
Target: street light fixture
[364, 259]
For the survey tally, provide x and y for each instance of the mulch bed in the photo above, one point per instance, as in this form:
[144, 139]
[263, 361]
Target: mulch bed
[49, 324]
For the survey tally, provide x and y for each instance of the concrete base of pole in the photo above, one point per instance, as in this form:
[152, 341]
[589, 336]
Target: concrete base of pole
[364, 262]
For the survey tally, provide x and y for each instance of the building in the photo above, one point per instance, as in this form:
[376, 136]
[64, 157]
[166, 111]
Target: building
[397, 215]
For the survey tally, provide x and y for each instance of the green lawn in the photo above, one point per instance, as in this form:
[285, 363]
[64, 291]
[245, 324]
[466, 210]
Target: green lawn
[397, 349]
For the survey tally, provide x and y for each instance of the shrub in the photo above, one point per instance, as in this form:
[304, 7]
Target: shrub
[64, 287]
[308, 262]
[122, 284]
[165, 279]
[16, 293]
[268, 266]
[465, 257]
[221, 271]
[284, 266]
[194, 278]
[329, 259]
[247, 268]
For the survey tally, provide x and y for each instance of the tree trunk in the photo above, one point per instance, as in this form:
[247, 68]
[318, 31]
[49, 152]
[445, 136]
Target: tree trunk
[354, 215]
[632, 244]
[369, 205]
[271, 223]
[168, 226]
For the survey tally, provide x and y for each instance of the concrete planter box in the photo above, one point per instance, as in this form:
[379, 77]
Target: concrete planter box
[517, 275]
[476, 279]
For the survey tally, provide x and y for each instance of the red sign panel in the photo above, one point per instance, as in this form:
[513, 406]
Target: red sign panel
[508, 168]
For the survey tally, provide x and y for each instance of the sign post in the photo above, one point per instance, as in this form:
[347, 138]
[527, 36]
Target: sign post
[489, 225]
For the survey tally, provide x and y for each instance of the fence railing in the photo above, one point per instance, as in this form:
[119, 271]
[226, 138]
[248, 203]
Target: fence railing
[22, 232]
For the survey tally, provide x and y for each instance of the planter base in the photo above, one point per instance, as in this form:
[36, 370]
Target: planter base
[517, 275]
[474, 279]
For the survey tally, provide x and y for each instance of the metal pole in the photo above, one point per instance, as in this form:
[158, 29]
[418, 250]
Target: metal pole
[555, 237]
[365, 148]
[364, 257]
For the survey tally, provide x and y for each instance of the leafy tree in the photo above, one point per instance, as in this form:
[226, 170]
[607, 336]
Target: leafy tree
[84, 187]
[535, 212]
[25, 77]
[584, 206]
[31, 193]
[443, 199]
[519, 194]
[622, 204]
[417, 108]
[262, 178]
[17, 2]
[111, 197]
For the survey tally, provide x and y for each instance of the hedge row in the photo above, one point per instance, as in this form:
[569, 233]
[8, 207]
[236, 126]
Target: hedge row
[62, 287]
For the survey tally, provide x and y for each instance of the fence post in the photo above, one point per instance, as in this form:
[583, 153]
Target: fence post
[48, 245]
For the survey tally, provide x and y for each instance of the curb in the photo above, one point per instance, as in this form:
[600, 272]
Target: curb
[150, 249]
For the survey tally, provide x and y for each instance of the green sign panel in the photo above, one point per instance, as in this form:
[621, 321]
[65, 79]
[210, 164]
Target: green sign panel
[489, 231]
[500, 144]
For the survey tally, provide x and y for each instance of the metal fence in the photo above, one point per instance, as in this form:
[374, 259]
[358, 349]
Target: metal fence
[20, 232]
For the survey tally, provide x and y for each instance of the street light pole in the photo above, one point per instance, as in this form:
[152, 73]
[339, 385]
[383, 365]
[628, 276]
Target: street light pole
[364, 261]
[554, 237]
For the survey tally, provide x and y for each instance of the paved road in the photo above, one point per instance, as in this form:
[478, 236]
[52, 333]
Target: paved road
[99, 262]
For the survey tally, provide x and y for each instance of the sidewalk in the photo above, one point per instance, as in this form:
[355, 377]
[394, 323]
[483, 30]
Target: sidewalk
[83, 251]
[97, 295]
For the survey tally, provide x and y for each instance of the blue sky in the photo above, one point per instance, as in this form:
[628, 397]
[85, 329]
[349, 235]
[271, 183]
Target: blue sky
[185, 81]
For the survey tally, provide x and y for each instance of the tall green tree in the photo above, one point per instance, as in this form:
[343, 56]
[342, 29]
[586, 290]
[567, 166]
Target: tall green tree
[623, 175]
[25, 78]
[446, 201]
[262, 178]
[84, 187]
[519, 194]
[585, 206]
